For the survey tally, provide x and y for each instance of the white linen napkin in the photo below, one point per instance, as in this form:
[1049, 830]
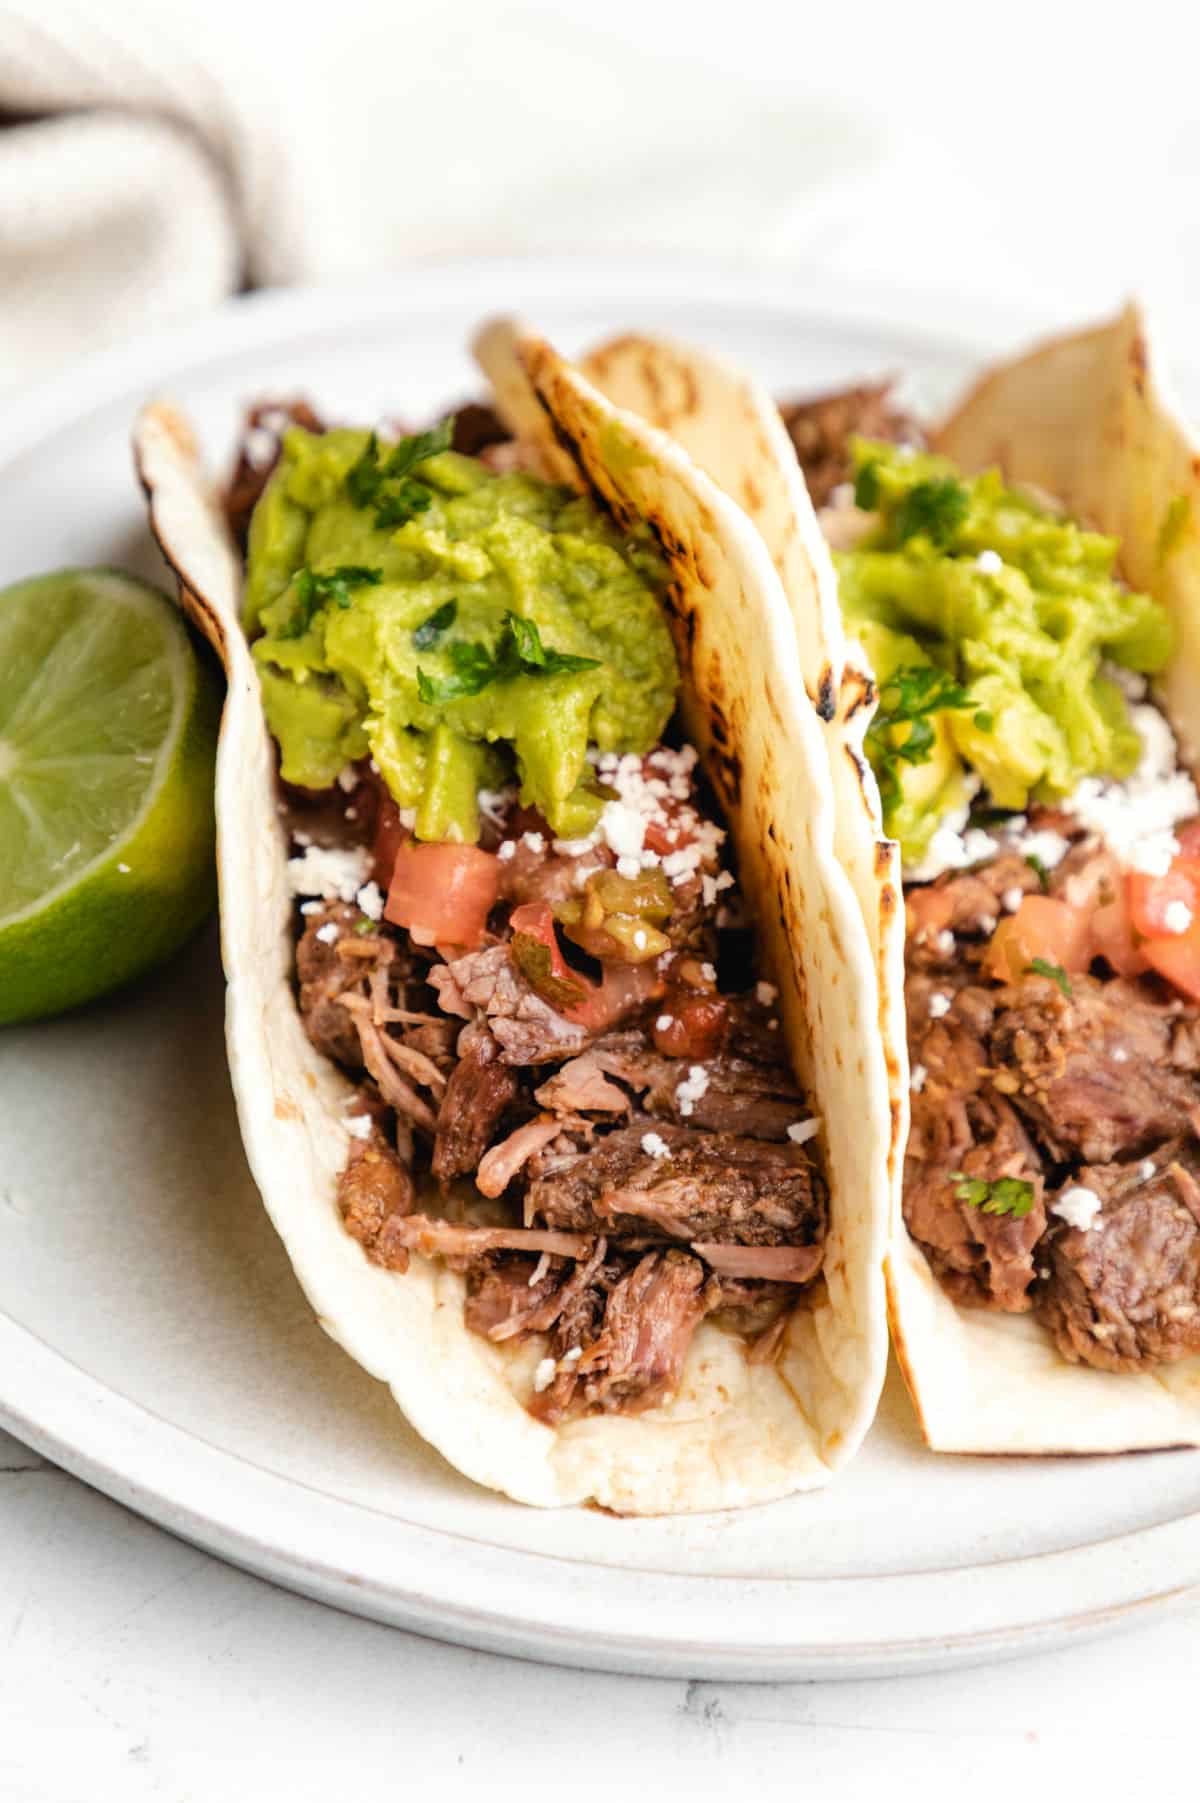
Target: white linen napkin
[155, 157]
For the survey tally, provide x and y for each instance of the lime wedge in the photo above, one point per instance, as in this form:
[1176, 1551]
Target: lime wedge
[108, 730]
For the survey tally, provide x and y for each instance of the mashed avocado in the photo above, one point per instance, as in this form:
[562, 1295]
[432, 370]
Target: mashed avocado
[987, 618]
[459, 627]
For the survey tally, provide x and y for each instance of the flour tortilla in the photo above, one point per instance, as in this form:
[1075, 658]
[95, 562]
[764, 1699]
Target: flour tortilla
[735, 1433]
[1085, 419]
[730, 426]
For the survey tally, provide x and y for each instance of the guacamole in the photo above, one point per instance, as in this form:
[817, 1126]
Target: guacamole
[987, 619]
[459, 627]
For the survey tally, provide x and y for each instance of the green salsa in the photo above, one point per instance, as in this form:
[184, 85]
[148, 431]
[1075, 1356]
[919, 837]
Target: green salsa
[987, 618]
[460, 627]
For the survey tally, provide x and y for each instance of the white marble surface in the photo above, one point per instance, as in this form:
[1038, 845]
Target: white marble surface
[133, 1667]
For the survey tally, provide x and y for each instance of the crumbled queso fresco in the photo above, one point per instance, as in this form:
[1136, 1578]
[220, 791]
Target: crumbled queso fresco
[800, 1132]
[370, 900]
[1135, 818]
[693, 1086]
[639, 805]
[1078, 1207]
[1177, 917]
[319, 871]
[655, 1146]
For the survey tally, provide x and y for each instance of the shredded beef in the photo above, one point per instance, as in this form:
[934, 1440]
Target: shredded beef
[374, 1188]
[622, 1253]
[1062, 1085]
[756, 1101]
[636, 1358]
[528, 1029]
[325, 977]
[480, 1090]
[711, 1186]
[961, 1123]
[821, 430]
[1126, 1292]
[1091, 1072]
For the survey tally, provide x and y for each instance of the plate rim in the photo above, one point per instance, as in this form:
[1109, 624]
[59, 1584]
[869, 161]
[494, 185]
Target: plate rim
[115, 1444]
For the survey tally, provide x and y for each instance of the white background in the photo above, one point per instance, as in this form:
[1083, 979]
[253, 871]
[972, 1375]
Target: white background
[1045, 155]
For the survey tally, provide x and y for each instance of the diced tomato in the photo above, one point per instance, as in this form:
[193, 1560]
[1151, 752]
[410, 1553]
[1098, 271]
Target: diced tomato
[1176, 956]
[389, 837]
[1042, 927]
[1113, 937]
[929, 910]
[1150, 897]
[695, 1026]
[443, 893]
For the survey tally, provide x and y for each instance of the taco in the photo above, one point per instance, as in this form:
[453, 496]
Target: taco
[1028, 591]
[544, 1070]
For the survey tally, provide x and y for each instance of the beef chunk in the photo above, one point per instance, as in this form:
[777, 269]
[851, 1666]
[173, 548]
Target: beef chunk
[710, 1187]
[528, 1029]
[326, 976]
[821, 430]
[752, 1100]
[375, 1187]
[635, 1360]
[475, 428]
[1125, 1293]
[508, 1296]
[1091, 1072]
[480, 1089]
[961, 1123]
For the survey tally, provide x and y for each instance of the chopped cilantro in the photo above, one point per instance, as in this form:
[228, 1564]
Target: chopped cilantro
[1011, 1196]
[535, 656]
[866, 487]
[367, 479]
[937, 509]
[399, 505]
[907, 699]
[430, 631]
[474, 667]
[1039, 870]
[314, 589]
[1042, 967]
[365, 476]
[409, 452]
[363, 926]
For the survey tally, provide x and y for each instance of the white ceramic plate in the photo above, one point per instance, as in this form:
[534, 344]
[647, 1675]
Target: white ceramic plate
[152, 1338]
